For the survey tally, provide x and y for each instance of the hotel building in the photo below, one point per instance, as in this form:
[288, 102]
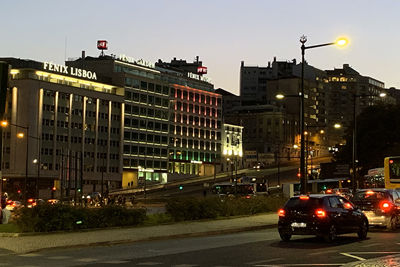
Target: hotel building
[71, 120]
[146, 116]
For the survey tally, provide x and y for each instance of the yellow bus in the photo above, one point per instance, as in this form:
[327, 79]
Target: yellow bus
[392, 172]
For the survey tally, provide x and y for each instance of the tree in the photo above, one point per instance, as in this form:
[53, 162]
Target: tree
[378, 129]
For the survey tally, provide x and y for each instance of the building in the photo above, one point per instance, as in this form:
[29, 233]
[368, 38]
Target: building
[146, 116]
[345, 83]
[196, 120]
[229, 101]
[232, 147]
[71, 119]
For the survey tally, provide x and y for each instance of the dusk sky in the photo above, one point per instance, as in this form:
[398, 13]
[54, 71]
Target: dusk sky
[221, 32]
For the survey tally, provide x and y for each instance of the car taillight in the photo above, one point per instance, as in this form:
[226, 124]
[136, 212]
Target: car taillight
[281, 213]
[320, 213]
[248, 197]
[304, 197]
[385, 206]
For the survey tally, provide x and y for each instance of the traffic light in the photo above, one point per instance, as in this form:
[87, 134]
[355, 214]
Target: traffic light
[180, 187]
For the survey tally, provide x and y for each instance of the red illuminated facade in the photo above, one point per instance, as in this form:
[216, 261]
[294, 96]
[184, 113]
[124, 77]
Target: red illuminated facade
[195, 132]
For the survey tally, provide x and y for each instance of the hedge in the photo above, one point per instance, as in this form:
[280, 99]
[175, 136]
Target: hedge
[189, 208]
[48, 218]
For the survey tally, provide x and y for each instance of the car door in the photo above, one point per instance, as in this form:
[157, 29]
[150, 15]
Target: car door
[337, 214]
[352, 215]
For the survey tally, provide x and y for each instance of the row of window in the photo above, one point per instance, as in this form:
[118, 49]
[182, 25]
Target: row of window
[196, 97]
[147, 99]
[194, 144]
[147, 125]
[149, 112]
[195, 132]
[151, 87]
[145, 151]
[194, 120]
[143, 137]
[196, 109]
[135, 163]
[192, 155]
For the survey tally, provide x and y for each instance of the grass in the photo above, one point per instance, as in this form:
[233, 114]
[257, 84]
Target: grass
[9, 228]
[157, 219]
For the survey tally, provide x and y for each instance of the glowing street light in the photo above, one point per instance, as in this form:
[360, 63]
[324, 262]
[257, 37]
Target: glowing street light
[303, 39]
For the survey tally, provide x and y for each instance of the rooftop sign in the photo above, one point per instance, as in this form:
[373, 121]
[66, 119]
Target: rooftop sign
[140, 62]
[87, 74]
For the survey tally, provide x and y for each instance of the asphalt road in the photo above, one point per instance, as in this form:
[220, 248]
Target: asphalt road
[257, 248]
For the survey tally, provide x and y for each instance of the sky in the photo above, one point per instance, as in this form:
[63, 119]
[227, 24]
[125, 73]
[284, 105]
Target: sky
[221, 32]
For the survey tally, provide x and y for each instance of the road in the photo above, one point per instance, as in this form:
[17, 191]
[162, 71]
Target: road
[256, 248]
[195, 186]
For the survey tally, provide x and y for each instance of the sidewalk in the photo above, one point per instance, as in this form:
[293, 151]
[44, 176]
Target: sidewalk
[26, 244]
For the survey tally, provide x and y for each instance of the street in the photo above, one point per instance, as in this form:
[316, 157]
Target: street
[256, 248]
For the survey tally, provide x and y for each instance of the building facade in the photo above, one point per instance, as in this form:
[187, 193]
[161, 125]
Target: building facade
[146, 116]
[232, 147]
[71, 121]
[196, 120]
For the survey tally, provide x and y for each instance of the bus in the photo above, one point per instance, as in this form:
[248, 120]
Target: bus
[392, 172]
[228, 188]
[375, 178]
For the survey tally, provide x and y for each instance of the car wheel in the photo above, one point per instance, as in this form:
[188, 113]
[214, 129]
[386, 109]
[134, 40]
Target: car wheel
[331, 235]
[391, 224]
[285, 236]
[362, 232]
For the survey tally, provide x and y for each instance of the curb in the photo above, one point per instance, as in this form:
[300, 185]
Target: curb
[183, 235]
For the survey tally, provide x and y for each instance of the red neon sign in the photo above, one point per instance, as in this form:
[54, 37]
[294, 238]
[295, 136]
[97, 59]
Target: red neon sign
[102, 45]
[201, 70]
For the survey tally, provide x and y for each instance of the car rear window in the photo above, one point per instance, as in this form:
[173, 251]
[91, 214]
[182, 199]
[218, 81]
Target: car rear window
[303, 204]
[370, 195]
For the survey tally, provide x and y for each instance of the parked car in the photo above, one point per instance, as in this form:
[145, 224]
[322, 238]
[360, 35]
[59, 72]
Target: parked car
[380, 205]
[322, 215]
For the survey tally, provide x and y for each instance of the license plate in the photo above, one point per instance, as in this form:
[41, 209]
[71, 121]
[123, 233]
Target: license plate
[296, 224]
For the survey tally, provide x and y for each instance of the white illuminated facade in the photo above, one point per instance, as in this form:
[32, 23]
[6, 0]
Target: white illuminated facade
[232, 147]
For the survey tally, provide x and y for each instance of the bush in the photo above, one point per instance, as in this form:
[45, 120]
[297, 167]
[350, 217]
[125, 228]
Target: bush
[48, 218]
[182, 209]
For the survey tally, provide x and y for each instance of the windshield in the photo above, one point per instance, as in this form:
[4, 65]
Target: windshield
[303, 204]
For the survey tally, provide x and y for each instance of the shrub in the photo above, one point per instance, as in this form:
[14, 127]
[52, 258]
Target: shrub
[209, 208]
[48, 218]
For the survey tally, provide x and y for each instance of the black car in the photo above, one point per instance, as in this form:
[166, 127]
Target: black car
[321, 215]
[380, 205]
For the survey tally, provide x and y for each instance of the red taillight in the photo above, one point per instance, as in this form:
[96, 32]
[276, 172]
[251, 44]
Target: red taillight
[370, 192]
[30, 200]
[248, 197]
[329, 191]
[281, 213]
[9, 201]
[320, 213]
[304, 197]
[385, 206]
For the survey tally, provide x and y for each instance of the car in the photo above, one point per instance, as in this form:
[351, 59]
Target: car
[53, 201]
[259, 165]
[32, 202]
[380, 205]
[11, 205]
[322, 215]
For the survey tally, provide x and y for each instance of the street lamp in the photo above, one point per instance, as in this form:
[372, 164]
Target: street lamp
[354, 150]
[21, 135]
[303, 39]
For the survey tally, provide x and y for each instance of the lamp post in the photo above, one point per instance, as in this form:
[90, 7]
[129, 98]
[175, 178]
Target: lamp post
[354, 148]
[303, 40]
[21, 135]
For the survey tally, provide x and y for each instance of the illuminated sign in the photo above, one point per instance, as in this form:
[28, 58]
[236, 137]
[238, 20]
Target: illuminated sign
[140, 62]
[102, 45]
[196, 161]
[70, 70]
[198, 77]
[202, 70]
